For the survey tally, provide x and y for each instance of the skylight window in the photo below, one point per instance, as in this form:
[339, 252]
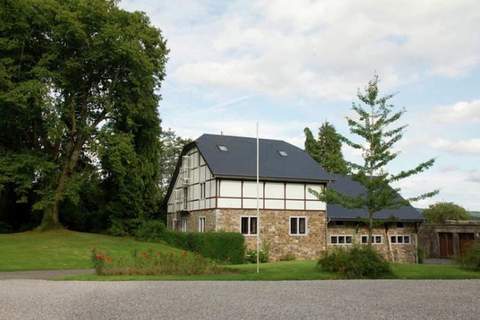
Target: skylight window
[282, 153]
[222, 148]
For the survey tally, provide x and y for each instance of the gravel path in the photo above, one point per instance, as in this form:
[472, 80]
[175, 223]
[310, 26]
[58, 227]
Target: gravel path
[383, 299]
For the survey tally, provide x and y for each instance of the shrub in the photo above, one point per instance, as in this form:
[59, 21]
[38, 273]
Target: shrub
[154, 263]
[227, 247]
[359, 262]
[264, 255]
[471, 259]
[420, 255]
[124, 227]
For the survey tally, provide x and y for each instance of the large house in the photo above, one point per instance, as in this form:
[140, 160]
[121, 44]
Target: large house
[214, 188]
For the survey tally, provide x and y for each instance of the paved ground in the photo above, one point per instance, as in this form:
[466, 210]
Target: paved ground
[42, 274]
[383, 299]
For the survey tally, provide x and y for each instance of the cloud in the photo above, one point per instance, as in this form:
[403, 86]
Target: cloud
[316, 49]
[470, 146]
[460, 112]
[474, 176]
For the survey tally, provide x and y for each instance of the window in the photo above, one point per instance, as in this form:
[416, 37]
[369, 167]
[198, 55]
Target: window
[400, 239]
[185, 198]
[248, 225]
[202, 190]
[282, 153]
[201, 224]
[400, 225]
[376, 239]
[183, 226]
[298, 225]
[222, 148]
[341, 240]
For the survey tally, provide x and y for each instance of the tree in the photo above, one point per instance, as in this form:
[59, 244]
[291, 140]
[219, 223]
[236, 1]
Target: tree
[327, 149]
[171, 146]
[373, 125]
[71, 73]
[442, 211]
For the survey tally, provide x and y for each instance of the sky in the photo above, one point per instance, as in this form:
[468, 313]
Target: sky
[295, 64]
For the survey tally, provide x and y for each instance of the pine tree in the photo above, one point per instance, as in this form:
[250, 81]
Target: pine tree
[327, 149]
[373, 125]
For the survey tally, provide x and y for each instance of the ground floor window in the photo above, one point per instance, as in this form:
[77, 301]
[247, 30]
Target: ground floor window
[248, 225]
[298, 225]
[183, 224]
[400, 239]
[201, 224]
[341, 240]
[376, 239]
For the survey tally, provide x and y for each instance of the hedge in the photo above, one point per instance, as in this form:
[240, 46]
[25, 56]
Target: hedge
[226, 247]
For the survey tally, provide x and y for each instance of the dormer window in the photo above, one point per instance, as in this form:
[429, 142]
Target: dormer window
[282, 153]
[222, 148]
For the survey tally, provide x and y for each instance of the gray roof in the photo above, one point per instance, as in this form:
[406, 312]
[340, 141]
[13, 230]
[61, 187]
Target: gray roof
[350, 187]
[240, 159]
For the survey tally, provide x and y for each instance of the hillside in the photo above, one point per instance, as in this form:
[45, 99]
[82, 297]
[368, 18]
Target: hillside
[63, 249]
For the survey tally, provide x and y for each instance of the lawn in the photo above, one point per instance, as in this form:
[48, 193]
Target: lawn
[303, 270]
[63, 249]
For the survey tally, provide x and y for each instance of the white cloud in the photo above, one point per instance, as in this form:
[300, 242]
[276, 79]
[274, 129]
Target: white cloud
[470, 146]
[317, 49]
[460, 112]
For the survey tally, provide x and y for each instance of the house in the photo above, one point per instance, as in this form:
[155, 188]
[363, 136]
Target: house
[449, 239]
[214, 188]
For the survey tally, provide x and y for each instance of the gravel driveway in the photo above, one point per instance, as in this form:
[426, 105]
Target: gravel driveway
[383, 299]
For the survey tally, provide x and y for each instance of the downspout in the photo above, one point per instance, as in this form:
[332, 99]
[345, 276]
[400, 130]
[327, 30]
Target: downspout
[389, 244]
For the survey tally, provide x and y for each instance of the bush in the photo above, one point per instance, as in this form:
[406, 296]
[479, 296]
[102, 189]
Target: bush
[227, 247]
[359, 262]
[251, 256]
[124, 227]
[154, 263]
[471, 259]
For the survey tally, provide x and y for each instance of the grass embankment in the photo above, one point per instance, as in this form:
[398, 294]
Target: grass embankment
[63, 249]
[303, 270]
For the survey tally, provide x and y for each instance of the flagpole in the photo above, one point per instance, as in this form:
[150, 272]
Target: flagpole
[258, 206]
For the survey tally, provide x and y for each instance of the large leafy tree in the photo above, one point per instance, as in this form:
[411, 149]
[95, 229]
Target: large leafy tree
[74, 76]
[374, 124]
[326, 149]
[441, 211]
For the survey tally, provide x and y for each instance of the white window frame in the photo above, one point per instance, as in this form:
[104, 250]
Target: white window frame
[403, 236]
[203, 190]
[202, 222]
[373, 236]
[183, 224]
[298, 234]
[338, 237]
[248, 234]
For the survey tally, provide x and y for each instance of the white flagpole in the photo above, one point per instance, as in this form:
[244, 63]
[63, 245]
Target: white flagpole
[258, 206]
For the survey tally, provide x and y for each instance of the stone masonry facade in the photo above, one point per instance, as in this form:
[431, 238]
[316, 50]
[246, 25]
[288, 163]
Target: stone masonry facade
[275, 233]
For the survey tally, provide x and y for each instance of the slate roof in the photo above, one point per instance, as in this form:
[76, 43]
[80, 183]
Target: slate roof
[348, 186]
[240, 159]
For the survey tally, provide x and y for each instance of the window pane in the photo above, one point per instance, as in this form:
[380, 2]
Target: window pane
[333, 239]
[393, 239]
[406, 239]
[348, 239]
[364, 239]
[301, 226]
[245, 225]
[400, 239]
[378, 239]
[341, 239]
[293, 225]
[253, 225]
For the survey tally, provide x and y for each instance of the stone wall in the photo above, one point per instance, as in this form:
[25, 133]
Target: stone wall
[193, 219]
[274, 225]
[391, 252]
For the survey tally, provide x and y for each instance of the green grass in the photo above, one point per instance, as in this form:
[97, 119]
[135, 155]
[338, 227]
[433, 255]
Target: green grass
[63, 249]
[302, 270]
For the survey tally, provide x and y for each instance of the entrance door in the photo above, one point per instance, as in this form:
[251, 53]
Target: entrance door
[446, 244]
[465, 240]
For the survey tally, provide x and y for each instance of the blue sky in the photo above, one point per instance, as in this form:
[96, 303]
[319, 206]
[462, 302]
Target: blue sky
[292, 64]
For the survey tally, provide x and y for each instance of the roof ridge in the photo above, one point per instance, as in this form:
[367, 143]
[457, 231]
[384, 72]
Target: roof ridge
[241, 137]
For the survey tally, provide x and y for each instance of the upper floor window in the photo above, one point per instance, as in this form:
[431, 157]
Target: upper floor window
[282, 153]
[222, 148]
[298, 225]
[248, 225]
[202, 190]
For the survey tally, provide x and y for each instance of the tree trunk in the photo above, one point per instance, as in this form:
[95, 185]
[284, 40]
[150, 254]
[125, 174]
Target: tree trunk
[50, 218]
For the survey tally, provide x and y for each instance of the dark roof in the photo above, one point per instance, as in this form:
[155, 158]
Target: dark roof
[350, 187]
[240, 159]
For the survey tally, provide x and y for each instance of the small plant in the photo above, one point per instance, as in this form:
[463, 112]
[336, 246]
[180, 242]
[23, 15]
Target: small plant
[471, 259]
[288, 257]
[359, 262]
[251, 256]
[99, 261]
